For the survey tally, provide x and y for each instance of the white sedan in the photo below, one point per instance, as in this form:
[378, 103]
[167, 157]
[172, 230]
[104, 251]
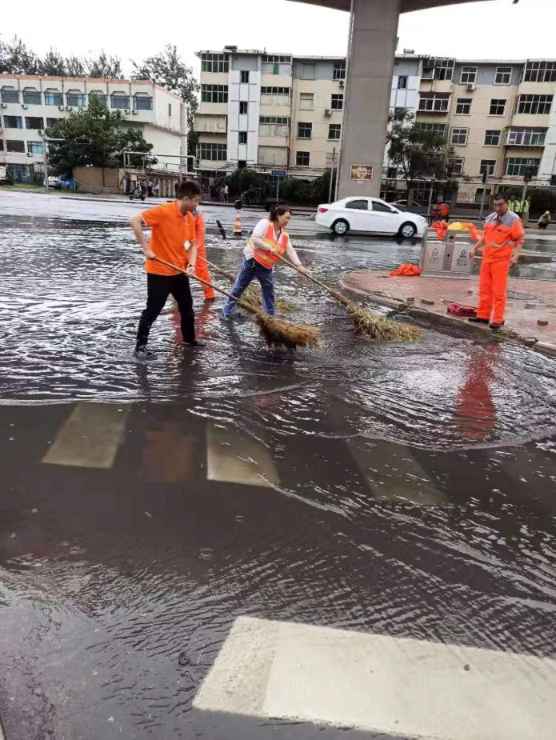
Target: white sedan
[370, 215]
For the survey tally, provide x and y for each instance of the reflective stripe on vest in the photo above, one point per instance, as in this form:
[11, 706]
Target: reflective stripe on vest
[269, 259]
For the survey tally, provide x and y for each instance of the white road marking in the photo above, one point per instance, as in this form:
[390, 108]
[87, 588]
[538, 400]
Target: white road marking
[235, 457]
[373, 683]
[90, 436]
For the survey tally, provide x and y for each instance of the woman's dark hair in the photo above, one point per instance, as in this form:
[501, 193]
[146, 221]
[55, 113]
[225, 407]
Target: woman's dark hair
[187, 189]
[278, 211]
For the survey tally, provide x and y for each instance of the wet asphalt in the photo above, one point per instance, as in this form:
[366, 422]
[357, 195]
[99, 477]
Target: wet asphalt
[405, 490]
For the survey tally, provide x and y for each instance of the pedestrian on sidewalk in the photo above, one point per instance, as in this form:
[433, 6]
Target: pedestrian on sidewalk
[173, 240]
[268, 242]
[545, 220]
[501, 243]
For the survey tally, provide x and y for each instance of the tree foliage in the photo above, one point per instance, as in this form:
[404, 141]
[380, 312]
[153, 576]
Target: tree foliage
[16, 58]
[93, 137]
[417, 152]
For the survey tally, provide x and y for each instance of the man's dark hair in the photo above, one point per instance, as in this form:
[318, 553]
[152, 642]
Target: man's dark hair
[500, 196]
[187, 189]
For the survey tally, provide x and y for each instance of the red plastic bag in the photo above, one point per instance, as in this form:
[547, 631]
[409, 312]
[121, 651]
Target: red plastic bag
[456, 309]
[406, 270]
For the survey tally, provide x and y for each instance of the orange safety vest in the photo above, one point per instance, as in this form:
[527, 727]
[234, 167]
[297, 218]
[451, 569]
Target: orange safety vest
[269, 259]
[500, 235]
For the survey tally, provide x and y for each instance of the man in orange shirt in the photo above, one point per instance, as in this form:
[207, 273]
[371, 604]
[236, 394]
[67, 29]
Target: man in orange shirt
[502, 240]
[173, 240]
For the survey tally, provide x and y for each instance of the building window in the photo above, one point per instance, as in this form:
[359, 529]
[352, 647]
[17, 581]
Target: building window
[35, 123]
[13, 122]
[99, 96]
[119, 101]
[276, 59]
[522, 167]
[213, 152]
[32, 96]
[526, 137]
[540, 72]
[1, 145]
[9, 95]
[215, 63]
[488, 166]
[274, 126]
[306, 101]
[443, 69]
[337, 102]
[434, 103]
[402, 82]
[303, 159]
[36, 148]
[463, 107]
[214, 93]
[492, 137]
[455, 167]
[243, 137]
[437, 129]
[142, 102]
[169, 110]
[244, 77]
[76, 99]
[307, 71]
[51, 122]
[53, 97]
[275, 96]
[468, 76]
[497, 107]
[15, 146]
[534, 104]
[243, 108]
[304, 130]
[503, 76]
[339, 72]
[459, 136]
[335, 131]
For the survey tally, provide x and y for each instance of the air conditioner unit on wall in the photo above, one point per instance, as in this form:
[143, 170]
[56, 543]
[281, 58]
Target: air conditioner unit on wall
[4, 105]
[471, 87]
[24, 106]
[342, 84]
[327, 113]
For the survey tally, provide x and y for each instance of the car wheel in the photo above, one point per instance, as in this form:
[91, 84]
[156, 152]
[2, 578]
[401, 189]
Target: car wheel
[407, 230]
[340, 227]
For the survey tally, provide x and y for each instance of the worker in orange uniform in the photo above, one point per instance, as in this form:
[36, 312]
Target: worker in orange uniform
[202, 271]
[502, 240]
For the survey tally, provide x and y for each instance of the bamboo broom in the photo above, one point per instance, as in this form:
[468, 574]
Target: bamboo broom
[277, 332]
[251, 294]
[364, 321]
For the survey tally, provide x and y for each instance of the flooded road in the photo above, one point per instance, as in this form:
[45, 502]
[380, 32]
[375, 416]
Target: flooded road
[399, 490]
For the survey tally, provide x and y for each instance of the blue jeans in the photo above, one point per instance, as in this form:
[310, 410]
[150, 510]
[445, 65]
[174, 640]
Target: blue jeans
[250, 270]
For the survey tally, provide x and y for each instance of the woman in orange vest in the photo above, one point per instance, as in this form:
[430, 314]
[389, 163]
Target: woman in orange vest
[269, 241]
[201, 270]
[501, 243]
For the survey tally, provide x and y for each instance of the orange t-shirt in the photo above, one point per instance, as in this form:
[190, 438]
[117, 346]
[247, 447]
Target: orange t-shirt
[170, 229]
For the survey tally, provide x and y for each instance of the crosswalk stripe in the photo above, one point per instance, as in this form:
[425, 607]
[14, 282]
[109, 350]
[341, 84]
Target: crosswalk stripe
[235, 457]
[380, 684]
[90, 437]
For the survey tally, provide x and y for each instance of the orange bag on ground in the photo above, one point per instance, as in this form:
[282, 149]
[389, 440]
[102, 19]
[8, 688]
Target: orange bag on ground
[406, 270]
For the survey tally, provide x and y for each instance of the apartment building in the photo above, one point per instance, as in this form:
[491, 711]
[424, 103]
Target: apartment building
[278, 112]
[29, 104]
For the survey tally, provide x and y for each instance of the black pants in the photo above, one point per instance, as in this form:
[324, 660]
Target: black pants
[159, 287]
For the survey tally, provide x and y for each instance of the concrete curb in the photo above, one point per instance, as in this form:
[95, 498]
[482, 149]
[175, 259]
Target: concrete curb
[447, 322]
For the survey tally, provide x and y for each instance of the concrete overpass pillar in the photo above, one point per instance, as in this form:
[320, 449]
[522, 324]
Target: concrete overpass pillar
[372, 47]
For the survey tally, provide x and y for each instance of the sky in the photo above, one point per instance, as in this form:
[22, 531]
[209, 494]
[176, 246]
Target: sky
[134, 29]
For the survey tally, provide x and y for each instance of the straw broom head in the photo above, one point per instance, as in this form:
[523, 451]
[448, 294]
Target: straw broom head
[379, 328]
[280, 333]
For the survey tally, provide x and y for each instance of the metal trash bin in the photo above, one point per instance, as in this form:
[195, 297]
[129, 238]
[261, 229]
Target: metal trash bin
[447, 257]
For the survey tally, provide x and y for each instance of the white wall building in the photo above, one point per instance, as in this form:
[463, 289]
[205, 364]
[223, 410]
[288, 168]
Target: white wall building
[29, 104]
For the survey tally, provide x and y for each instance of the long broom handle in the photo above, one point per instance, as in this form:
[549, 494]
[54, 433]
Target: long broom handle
[334, 293]
[244, 305]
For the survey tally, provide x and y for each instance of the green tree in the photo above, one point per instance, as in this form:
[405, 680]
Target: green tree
[94, 137]
[16, 58]
[105, 66]
[416, 152]
[53, 63]
[168, 70]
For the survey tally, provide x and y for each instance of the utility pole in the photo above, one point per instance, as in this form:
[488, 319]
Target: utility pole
[332, 172]
[483, 194]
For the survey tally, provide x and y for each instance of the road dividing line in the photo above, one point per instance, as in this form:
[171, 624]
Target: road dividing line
[378, 684]
[235, 457]
[90, 436]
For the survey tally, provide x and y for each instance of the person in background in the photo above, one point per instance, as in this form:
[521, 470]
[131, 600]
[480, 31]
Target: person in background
[202, 270]
[226, 193]
[545, 220]
[269, 241]
[501, 243]
[173, 240]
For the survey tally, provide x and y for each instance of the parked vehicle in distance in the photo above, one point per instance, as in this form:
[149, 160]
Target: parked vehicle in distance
[370, 215]
[55, 182]
[255, 197]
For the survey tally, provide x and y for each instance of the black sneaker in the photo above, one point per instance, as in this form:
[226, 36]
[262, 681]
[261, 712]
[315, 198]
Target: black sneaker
[477, 320]
[497, 327]
[143, 354]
